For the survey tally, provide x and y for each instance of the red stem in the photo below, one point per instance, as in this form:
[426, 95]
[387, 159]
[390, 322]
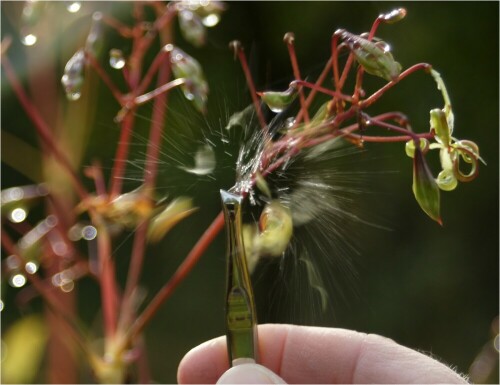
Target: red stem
[326, 91]
[107, 279]
[289, 39]
[150, 173]
[377, 94]
[104, 77]
[187, 265]
[153, 68]
[42, 128]
[46, 293]
[127, 125]
[248, 76]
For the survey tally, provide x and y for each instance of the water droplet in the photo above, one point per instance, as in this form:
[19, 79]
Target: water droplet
[1, 307]
[116, 59]
[31, 267]
[18, 215]
[204, 161]
[89, 232]
[29, 39]
[17, 280]
[210, 20]
[73, 96]
[73, 6]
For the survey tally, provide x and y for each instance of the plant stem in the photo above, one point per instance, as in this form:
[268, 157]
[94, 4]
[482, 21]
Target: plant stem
[150, 173]
[183, 270]
[289, 40]
[43, 130]
[107, 280]
[236, 45]
[104, 77]
[127, 125]
[377, 94]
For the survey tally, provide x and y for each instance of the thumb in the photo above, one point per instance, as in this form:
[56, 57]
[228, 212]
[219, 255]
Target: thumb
[250, 374]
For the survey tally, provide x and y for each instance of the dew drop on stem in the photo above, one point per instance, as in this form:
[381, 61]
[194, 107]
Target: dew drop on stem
[116, 59]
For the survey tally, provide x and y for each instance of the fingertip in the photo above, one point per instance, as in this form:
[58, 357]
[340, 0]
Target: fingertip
[203, 364]
[250, 373]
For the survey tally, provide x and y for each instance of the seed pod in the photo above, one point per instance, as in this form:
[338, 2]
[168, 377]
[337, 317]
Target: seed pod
[72, 79]
[94, 42]
[185, 66]
[276, 229]
[192, 28]
[176, 211]
[394, 16]
[374, 56]
[278, 101]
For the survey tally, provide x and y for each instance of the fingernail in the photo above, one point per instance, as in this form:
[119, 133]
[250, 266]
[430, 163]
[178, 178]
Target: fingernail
[250, 374]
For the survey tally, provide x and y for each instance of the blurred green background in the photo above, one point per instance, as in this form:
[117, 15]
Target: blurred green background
[428, 287]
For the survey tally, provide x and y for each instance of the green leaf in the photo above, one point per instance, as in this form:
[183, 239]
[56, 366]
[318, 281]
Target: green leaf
[410, 147]
[425, 187]
[23, 348]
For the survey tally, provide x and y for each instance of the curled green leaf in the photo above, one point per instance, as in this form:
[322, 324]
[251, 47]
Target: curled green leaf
[278, 101]
[468, 157]
[410, 147]
[446, 180]
[425, 187]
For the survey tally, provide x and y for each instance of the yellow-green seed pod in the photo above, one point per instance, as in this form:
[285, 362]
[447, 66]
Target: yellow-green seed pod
[276, 229]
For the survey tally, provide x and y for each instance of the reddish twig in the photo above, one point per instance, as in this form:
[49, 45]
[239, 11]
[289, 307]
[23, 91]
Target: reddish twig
[289, 40]
[240, 53]
[42, 128]
[187, 265]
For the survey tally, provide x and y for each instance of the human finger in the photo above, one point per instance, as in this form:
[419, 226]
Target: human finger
[301, 354]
